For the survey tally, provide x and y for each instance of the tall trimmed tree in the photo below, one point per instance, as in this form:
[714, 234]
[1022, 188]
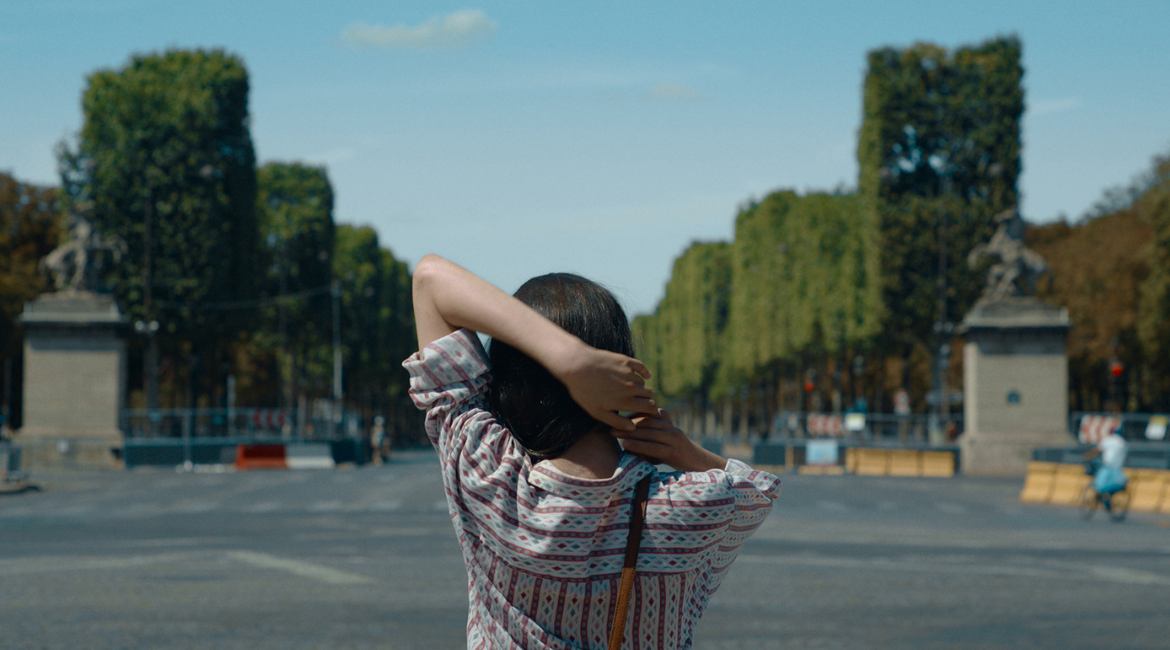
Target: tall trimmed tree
[939, 153]
[165, 149]
[295, 208]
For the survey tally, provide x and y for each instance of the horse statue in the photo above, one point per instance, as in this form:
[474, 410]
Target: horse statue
[76, 264]
[1018, 268]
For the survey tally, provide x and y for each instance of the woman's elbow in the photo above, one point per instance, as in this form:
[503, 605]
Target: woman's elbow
[426, 272]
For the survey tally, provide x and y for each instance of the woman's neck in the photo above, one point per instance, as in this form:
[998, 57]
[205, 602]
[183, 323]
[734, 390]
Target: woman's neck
[594, 456]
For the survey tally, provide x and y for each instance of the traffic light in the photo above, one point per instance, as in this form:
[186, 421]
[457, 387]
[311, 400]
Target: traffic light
[1116, 369]
[1116, 379]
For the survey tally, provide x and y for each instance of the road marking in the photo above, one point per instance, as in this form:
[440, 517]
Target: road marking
[58, 564]
[192, 506]
[835, 506]
[173, 541]
[299, 568]
[1127, 576]
[74, 510]
[325, 506]
[1065, 570]
[389, 505]
[264, 506]
[951, 508]
[441, 504]
[140, 510]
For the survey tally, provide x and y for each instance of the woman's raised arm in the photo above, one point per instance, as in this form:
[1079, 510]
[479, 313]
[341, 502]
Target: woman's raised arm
[448, 297]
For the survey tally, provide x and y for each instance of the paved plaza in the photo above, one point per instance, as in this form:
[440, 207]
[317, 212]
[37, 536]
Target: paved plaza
[366, 558]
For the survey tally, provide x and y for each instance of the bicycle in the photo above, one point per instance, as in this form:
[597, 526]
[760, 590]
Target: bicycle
[1116, 504]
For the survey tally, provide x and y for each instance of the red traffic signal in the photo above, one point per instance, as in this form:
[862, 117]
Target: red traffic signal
[1115, 368]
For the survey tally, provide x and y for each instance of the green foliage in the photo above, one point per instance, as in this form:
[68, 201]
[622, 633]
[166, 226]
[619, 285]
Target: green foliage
[804, 272]
[396, 318]
[940, 137]
[681, 343]
[294, 204]
[1154, 318]
[800, 278]
[30, 225]
[166, 139]
[377, 317]
[242, 259]
[1097, 269]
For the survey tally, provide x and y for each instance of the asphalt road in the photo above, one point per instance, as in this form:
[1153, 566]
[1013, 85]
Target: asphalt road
[366, 558]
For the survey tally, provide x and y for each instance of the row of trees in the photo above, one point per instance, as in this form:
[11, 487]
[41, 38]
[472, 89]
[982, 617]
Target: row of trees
[239, 266]
[797, 290]
[824, 300]
[1112, 271]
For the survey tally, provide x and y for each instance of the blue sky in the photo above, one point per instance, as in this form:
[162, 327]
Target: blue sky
[598, 137]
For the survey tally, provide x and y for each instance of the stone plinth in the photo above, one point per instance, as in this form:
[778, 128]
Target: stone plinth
[1015, 384]
[74, 381]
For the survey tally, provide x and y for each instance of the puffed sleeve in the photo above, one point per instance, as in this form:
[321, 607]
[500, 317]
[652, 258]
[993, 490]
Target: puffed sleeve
[448, 379]
[753, 491]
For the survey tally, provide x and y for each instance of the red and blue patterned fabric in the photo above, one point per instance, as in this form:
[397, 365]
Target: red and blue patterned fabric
[544, 549]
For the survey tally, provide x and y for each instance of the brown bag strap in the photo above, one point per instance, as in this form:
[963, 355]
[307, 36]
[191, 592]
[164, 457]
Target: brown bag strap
[630, 566]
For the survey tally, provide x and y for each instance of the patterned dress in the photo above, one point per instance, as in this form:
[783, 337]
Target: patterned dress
[544, 550]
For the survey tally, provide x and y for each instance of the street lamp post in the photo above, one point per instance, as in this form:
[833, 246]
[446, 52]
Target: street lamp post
[335, 291]
[148, 325]
[943, 329]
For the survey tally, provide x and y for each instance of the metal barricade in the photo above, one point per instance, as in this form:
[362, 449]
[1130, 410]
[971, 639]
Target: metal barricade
[887, 428]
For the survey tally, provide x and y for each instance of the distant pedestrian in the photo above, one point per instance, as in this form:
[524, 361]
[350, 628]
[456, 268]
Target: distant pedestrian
[378, 443]
[540, 491]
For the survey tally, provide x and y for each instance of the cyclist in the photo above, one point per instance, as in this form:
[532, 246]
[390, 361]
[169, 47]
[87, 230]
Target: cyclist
[1109, 478]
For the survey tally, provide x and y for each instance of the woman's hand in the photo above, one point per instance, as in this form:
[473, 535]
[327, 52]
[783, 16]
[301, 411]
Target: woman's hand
[606, 383]
[657, 440]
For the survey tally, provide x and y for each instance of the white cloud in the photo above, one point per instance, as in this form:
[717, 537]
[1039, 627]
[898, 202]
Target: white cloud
[449, 32]
[1053, 106]
[335, 156]
[673, 93]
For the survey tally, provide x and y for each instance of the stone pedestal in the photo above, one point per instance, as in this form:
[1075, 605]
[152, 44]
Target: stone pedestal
[1015, 384]
[74, 381]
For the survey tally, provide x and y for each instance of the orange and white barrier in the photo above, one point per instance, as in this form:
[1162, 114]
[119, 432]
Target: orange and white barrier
[825, 425]
[1095, 427]
[282, 456]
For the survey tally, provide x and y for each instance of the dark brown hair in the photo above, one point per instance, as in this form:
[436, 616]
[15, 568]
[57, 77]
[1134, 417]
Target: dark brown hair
[534, 406]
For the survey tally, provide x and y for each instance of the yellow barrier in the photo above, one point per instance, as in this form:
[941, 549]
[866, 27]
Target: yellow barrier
[872, 462]
[899, 462]
[1147, 489]
[938, 464]
[903, 462]
[1069, 485]
[1038, 483]
[851, 460]
[820, 470]
[1064, 484]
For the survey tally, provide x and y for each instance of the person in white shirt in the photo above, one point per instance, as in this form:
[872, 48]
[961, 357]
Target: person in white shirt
[1109, 477]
